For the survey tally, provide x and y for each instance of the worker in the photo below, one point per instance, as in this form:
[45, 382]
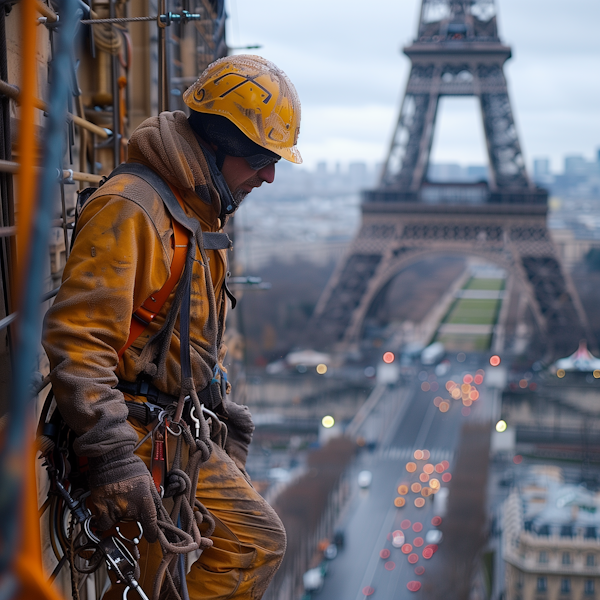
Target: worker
[245, 116]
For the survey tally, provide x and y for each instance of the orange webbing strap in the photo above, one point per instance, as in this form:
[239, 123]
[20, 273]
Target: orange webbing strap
[145, 314]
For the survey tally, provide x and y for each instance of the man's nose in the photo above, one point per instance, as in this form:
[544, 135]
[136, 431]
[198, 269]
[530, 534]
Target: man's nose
[267, 173]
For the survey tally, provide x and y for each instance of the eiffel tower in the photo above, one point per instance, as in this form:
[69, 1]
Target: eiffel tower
[457, 52]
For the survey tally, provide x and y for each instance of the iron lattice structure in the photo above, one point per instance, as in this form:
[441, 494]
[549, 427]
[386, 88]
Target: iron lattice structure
[457, 53]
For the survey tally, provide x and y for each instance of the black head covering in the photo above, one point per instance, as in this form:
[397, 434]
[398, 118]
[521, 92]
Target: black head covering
[230, 140]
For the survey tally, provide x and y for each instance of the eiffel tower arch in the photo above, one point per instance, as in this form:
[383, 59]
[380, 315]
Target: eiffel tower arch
[457, 52]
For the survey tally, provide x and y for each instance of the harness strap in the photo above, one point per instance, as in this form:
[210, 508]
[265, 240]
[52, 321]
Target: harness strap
[211, 396]
[146, 313]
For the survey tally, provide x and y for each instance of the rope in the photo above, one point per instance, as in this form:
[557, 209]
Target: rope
[107, 39]
[74, 575]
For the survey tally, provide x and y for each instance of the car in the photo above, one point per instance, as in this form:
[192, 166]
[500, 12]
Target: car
[364, 479]
[433, 536]
[330, 552]
[339, 538]
[313, 580]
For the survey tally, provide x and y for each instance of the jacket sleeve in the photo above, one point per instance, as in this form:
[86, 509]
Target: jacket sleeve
[117, 261]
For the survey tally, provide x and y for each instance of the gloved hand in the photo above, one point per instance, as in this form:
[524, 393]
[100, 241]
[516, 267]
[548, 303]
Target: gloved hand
[122, 489]
[239, 432]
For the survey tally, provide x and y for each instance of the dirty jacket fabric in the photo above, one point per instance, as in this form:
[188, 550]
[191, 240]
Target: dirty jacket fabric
[121, 255]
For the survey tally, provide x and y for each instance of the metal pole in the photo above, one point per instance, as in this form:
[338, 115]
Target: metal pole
[163, 75]
[116, 94]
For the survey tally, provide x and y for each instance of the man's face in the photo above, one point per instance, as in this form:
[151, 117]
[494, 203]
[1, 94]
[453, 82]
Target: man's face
[242, 179]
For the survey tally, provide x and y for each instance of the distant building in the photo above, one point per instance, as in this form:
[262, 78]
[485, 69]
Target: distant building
[454, 173]
[576, 165]
[551, 543]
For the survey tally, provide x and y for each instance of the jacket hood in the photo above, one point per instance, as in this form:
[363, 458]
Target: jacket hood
[169, 145]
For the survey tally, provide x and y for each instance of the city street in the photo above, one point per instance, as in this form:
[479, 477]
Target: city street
[371, 564]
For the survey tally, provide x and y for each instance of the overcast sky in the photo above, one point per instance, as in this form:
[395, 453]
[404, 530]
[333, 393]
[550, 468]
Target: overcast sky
[344, 59]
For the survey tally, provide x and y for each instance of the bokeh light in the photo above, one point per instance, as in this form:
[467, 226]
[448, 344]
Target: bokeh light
[501, 426]
[411, 467]
[403, 489]
[399, 502]
[428, 468]
[418, 542]
[436, 521]
[407, 549]
[390, 565]
[434, 484]
[419, 570]
[446, 477]
[444, 407]
[385, 553]
[328, 422]
[425, 386]
[388, 357]
[405, 524]
[417, 527]
[418, 455]
[494, 360]
[368, 590]
[419, 502]
[437, 400]
[415, 487]
[426, 491]
[560, 373]
[468, 378]
[423, 477]
[413, 586]
[413, 558]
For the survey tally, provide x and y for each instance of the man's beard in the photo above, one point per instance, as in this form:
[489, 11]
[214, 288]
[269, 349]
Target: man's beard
[240, 194]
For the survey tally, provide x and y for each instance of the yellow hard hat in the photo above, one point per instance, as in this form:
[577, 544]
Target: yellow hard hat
[256, 96]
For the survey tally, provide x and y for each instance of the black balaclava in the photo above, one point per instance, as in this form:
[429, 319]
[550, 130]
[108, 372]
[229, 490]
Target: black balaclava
[229, 140]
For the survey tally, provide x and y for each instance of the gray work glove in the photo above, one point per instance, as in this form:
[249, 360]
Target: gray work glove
[122, 489]
[239, 432]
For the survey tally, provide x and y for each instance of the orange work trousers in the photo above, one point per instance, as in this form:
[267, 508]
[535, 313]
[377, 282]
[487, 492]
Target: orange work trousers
[248, 543]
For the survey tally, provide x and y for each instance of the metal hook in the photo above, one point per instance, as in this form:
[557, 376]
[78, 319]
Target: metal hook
[196, 420]
[136, 540]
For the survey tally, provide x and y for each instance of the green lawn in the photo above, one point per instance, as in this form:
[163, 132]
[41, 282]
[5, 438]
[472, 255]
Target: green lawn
[474, 312]
[469, 311]
[484, 284]
[465, 342]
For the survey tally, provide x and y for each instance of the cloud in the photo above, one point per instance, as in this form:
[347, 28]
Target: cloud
[344, 58]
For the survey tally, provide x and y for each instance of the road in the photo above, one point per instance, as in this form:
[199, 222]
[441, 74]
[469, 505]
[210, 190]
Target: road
[359, 570]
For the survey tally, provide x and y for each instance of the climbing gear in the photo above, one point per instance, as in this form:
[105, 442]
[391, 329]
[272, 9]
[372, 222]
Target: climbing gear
[256, 96]
[66, 505]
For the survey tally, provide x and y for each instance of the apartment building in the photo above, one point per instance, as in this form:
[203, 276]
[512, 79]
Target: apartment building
[551, 539]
